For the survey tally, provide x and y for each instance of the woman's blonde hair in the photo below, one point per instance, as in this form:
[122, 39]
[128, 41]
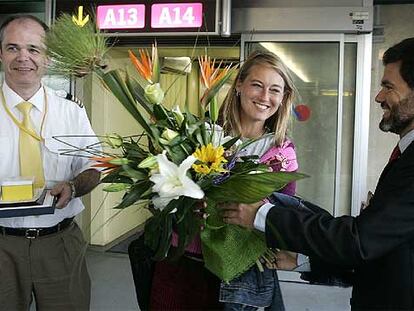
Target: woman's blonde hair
[231, 108]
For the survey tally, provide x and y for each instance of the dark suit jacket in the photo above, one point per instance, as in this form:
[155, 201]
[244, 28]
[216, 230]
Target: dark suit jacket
[377, 245]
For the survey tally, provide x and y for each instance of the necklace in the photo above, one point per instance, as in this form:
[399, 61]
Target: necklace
[20, 124]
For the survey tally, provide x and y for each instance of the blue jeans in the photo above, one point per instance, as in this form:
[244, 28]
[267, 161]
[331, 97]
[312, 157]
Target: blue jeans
[253, 290]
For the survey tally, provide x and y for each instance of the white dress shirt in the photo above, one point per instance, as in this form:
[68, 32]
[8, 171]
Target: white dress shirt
[61, 117]
[406, 141]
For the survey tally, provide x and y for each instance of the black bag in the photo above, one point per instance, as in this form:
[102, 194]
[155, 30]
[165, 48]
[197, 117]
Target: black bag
[142, 267]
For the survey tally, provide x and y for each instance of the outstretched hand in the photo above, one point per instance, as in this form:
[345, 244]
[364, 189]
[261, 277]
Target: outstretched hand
[240, 214]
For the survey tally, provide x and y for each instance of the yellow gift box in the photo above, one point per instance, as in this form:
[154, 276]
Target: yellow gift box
[17, 189]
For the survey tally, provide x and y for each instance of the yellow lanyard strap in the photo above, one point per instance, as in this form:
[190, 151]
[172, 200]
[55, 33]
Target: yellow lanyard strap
[20, 124]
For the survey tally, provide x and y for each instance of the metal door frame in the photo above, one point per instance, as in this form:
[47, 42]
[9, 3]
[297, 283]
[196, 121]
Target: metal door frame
[362, 100]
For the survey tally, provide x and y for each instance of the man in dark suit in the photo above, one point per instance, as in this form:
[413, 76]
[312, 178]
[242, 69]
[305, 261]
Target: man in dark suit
[378, 245]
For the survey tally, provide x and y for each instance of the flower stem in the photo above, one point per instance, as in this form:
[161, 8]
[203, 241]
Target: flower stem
[213, 107]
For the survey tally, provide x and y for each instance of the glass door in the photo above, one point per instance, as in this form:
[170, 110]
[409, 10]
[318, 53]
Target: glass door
[324, 69]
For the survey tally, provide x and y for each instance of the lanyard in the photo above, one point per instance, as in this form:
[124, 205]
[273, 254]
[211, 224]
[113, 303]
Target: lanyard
[20, 124]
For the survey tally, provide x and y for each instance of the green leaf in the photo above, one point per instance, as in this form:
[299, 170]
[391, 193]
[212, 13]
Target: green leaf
[114, 177]
[116, 187]
[251, 188]
[139, 94]
[229, 250]
[162, 124]
[215, 88]
[132, 150]
[114, 82]
[248, 166]
[215, 220]
[161, 114]
[191, 119]
[138, 174]
[176, 153]
[231, 142]
[194, 129]
[251, 141]
[152, 230]
[156, 69]
[213, 109]
[206, 137]
[164, 237]
[134, 194]
[187, 225]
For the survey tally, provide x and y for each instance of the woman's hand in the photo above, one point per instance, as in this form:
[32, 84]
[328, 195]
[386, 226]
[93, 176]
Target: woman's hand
[240, 214]
[200, 211]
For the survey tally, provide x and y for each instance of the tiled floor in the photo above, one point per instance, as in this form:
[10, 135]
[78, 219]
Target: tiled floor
[113, 288]
[112, 284]
[306, 297]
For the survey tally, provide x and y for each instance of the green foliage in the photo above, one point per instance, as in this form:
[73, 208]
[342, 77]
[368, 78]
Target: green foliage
[115, 177]
[119, 88]
[251, 188]
[75, 50]
[156, 68]
[134, 194]
[158, 231]
[229, 250]
[215, 88]
[135, 164]
[138, 93]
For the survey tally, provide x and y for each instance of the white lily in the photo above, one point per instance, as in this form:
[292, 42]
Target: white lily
[171, 181]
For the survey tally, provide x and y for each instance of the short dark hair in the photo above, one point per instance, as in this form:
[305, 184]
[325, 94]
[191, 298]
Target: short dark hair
[20, 17]
[402, 52]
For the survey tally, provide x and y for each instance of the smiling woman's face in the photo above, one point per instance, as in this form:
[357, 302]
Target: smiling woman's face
[261, 94]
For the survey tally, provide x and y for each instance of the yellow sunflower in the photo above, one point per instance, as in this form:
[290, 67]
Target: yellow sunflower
[210, 159]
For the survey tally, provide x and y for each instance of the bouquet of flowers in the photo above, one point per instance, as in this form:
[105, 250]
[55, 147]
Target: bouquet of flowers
[178, 160]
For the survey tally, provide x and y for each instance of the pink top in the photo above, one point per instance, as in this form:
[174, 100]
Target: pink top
[281, 159]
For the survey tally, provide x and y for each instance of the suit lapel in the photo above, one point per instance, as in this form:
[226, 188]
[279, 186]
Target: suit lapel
[386, 170]
[405, 156]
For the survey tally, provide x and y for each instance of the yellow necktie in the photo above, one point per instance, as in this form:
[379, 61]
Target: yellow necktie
[30, 155]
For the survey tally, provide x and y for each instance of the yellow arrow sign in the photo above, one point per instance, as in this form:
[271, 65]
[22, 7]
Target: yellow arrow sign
[80, 21]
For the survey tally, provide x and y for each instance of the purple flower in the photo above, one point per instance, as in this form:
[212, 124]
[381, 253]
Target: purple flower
[224, 176]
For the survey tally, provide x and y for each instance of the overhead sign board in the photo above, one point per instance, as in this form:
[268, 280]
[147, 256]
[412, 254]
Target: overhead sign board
[173, 15]
[145, 17]
[125, 16]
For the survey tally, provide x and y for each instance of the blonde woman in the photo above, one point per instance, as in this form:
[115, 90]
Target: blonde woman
[258, 106]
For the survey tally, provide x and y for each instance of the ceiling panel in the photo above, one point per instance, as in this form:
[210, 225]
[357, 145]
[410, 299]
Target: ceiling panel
[21, 6]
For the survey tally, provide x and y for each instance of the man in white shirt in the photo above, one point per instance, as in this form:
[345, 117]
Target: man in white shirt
[42, 255]
[377, 246]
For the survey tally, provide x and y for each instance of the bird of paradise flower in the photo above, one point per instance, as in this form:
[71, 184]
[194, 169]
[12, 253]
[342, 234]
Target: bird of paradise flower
[213, 78]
